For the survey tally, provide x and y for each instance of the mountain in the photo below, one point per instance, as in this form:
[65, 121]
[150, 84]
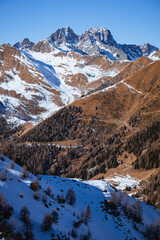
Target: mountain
[62, 36]
[147, 49]
[25, 92]
[112, 132]
[25, 44]
[34, 84]
[38, 79]
[97, 41]
[96, 209]
[85, 108]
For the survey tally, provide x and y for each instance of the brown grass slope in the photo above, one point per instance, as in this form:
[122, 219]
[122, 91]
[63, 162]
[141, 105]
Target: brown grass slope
[98, 128]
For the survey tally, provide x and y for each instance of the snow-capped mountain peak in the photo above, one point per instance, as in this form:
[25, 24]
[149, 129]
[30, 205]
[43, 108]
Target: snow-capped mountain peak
[95, 41]
[25, 44]
[63, 35]
[101, 35]
[147, 49]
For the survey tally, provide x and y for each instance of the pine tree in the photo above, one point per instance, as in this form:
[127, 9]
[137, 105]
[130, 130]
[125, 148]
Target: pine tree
[157, 230]
[126, 203]
[54, 215]
[73, 233]
[11, 165]
[47, 222]
[44, 198]
[25, 173]
[88, 211]
[70, 197]
[48, 191]
[24, 214]
[3, 200]
[138, 211]
[27, 230]
[36, 195]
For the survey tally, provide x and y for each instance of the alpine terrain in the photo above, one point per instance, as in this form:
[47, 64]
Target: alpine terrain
[80, 138]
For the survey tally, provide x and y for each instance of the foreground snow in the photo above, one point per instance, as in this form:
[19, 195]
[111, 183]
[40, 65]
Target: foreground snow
[92, 193]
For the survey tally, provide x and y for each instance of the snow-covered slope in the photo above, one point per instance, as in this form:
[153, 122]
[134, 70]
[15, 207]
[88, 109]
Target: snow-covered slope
[101, 224]
[34, 85]
[38, 79]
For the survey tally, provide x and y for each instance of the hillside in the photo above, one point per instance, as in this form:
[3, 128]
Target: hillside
[109, 213]
[80, 113]
[114, 127]
[37, 79]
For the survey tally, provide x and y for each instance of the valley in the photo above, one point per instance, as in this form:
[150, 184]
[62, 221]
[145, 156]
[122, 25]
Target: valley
[82, 111]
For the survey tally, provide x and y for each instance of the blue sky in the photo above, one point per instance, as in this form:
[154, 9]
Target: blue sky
[130, 21]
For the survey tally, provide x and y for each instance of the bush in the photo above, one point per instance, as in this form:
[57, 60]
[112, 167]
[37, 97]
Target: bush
[36, 195]
[48, 191]
[73, 233]
[44, 198]
[61, 199]
[11, 165]
[21, 195]
[10, 178]
[4, 176]
[78, 223]
[54, 215]
[25, 173]
[35, 186]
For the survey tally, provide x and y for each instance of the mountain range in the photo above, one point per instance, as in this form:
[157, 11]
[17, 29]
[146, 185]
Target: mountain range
[85, 108]
[95, 41]
[38, 79]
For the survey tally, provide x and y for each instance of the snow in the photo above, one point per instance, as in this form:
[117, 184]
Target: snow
[67, 65]
[9, 101]
[29, 91]
[153, 57]
[90, 193]
[122, 182]
[129, 86]
[15, 83]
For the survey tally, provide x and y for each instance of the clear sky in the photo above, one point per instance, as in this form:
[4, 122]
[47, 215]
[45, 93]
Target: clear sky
[130, 21]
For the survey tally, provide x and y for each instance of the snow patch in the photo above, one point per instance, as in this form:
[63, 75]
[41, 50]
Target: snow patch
[123, 181]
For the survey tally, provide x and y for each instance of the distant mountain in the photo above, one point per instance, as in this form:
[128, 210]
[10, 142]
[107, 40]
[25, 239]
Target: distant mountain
[38, 79]
[25, 44]
[62, 36]
[34, 84]
[95, 41]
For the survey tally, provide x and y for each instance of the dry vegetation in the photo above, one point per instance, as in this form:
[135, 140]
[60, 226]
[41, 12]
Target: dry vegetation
[91, 135]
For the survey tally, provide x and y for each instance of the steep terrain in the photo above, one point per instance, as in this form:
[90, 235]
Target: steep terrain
[34, 85]
[106, 121]
[92, 209]
[38, 79]
[112, 127]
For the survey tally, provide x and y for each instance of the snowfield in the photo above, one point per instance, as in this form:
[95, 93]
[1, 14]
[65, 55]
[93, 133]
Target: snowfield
[122, 182]
[100, 224]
